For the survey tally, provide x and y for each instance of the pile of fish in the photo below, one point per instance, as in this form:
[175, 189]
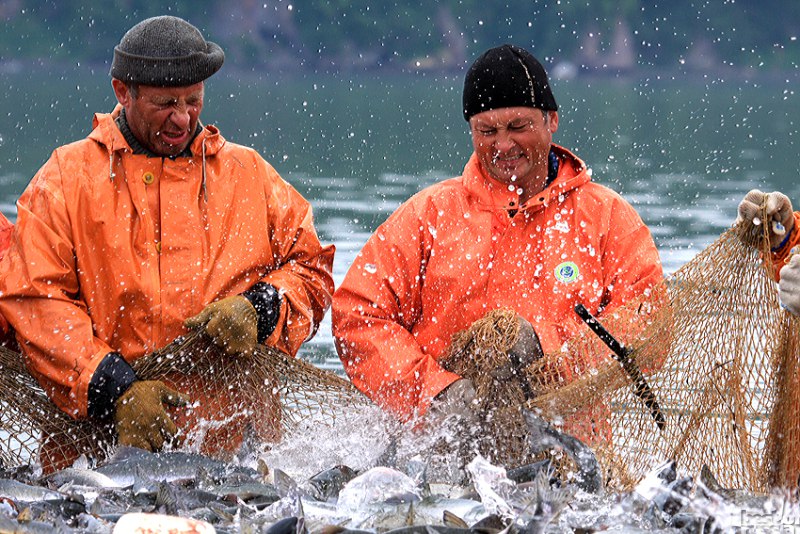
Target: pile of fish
[199, 494]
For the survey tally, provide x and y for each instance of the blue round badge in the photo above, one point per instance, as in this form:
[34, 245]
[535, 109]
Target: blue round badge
[567, 272]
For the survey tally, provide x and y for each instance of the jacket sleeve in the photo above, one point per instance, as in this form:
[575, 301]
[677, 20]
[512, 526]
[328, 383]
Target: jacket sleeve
[6, 229]
[302, 271]
[635, 289]
[631, 264]
[781, 256]
[39, 291]
[374, 312]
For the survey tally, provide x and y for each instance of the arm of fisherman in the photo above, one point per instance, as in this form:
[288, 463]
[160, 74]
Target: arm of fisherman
[284, 308]
[631, 264]
[789, 286]
[374, 312]
[634, 284]
[6, 229]
[303, 271]
[40, 296]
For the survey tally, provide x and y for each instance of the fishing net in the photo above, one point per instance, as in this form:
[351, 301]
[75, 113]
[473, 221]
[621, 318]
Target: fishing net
[481, 354]
[711, 379]
[720, 359]
[266, 393]
[710, 376]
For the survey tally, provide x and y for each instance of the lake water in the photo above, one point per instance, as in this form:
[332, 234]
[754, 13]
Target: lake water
[682, 149]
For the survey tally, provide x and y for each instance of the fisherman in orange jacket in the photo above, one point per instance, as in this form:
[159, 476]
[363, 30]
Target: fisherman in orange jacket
[523, 227]
[153, 225]
[784, 234]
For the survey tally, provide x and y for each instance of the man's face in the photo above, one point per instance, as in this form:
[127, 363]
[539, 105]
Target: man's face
[163, 119]
[512, 145]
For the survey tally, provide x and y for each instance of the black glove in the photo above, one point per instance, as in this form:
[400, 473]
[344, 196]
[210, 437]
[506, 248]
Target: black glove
[527, 349]
[267, 302]
[456, 400]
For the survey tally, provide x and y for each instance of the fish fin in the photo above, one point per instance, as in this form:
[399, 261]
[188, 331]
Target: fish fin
[452, 520]
[285, 484]
[708, 478]
[81, 463]
[411, 515]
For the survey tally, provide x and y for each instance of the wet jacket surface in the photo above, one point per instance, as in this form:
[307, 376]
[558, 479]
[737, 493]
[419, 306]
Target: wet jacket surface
[88, 274]
[458, 249]
[6, 229]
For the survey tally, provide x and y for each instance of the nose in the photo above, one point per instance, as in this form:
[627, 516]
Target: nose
[180, 117]
[503, 143]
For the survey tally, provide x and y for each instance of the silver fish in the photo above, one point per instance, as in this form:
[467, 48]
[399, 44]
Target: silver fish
[130, 465]
[80, 477]
[328, 483]
[17, 491]
[379, 484]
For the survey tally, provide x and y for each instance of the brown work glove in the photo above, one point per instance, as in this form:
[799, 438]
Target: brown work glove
[140, 418]
[232, 323]
[779, 209]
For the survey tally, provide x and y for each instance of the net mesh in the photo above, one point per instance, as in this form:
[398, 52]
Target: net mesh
[715, 347]
[721, 359]
[267, 392]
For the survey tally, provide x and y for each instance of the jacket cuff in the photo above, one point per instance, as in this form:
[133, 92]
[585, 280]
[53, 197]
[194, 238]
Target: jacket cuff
[267, 302]
[110, 380]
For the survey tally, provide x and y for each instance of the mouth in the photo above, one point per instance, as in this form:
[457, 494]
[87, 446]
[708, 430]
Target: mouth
[173, 138]
[506, 160]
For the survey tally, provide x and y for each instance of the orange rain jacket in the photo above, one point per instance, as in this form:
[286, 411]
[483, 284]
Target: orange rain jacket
[452, 253]
[6, 229]
[781, 256]
[85, 276]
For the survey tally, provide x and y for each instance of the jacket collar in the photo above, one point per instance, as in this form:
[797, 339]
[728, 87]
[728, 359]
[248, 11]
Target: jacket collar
[572, 173]
[106, 132]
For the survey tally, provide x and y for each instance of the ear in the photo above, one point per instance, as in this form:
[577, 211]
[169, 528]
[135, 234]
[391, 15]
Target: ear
[121, 92]
[553, 121]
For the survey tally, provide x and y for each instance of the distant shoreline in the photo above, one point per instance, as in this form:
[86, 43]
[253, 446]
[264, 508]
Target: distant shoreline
[559, 71]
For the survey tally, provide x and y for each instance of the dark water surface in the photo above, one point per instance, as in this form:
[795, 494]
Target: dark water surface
[682, 149]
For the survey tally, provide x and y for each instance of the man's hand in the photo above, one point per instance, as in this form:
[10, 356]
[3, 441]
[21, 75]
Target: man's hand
[140, 418]
[232, 323]
[527, 348]
[457, 399]
[789, 286]
[779, 209]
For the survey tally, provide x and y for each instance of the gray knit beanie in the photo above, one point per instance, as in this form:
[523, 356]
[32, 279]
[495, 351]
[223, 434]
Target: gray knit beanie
[165, 52]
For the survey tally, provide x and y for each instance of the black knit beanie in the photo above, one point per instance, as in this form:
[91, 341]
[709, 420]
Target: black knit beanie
[506, 76]
[165, 52]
